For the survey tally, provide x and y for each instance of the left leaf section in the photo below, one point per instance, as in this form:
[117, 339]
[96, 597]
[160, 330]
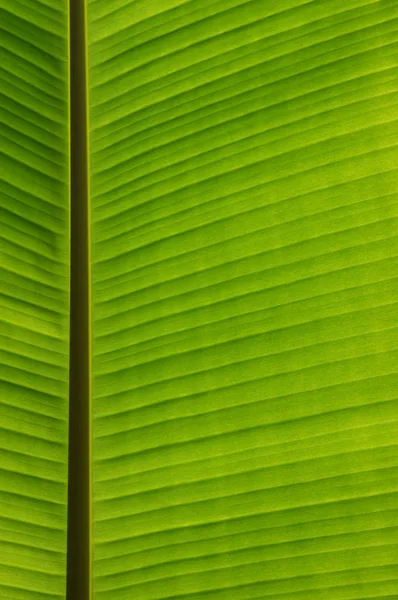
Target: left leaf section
[34, 298]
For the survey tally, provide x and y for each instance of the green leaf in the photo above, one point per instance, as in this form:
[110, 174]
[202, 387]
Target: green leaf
[244, 261]
[34, 304]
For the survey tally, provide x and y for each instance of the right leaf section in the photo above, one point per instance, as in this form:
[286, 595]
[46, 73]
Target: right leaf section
[244, 193]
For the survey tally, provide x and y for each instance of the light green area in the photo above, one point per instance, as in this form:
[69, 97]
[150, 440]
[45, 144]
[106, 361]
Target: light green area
[245, 282]
[34, 320]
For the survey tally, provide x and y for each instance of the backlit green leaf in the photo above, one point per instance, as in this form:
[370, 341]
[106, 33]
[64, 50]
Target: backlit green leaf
[244, 262]
[34, 305]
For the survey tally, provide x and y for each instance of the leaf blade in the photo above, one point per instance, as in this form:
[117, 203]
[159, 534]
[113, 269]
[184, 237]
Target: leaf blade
[34, 303]
[243, 177]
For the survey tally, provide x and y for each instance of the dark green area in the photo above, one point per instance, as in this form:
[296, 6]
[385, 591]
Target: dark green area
[78, 562]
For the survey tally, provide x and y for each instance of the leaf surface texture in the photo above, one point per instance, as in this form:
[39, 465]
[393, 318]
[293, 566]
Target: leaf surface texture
[244, 281]
[34, 306]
